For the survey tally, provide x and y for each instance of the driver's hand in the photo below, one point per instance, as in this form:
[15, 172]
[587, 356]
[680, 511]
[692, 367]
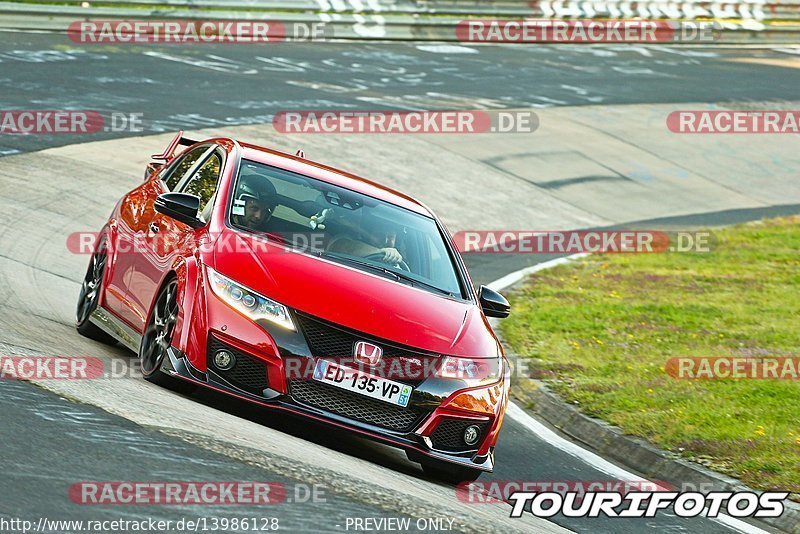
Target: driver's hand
[391, 255]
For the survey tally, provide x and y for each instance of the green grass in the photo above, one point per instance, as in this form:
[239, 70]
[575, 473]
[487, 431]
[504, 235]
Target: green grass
[600, 331]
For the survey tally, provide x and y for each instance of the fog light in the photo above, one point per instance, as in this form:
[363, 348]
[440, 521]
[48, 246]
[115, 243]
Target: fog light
[471, 434]
[224, 360]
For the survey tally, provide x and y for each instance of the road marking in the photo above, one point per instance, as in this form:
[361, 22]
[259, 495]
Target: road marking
[446, 49]
[573, 449]
[215, 63]
[512, 278]
[374, 29]
[789, 63]
[794, 50]
[601, 464]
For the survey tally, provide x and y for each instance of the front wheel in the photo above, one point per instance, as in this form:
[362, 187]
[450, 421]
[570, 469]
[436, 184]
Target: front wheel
[157, 339]
[89, 296]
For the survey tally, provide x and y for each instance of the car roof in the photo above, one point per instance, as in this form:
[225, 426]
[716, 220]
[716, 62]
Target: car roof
[331, 175]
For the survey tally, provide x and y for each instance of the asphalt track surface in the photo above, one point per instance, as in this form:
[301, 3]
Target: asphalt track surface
[201, 87]
[193, 87]
[39, 429]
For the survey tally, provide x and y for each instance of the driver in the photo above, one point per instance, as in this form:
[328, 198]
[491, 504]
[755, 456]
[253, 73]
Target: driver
[382, 240]
[256, 199]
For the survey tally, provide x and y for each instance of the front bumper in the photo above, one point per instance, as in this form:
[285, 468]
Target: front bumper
[418, 437]
[268, 380]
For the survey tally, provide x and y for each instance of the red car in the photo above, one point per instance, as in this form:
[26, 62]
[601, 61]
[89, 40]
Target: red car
[302, 288]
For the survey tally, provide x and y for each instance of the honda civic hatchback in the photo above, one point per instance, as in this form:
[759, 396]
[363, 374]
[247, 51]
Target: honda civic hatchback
[302, 288]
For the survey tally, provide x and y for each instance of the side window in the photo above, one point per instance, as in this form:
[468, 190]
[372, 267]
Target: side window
[204, 181]
[178, 171]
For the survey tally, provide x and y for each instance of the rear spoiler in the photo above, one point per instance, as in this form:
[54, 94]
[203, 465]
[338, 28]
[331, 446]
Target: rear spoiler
[178, 140]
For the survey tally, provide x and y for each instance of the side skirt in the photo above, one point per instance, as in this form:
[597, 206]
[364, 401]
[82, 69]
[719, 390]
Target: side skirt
[111, 325]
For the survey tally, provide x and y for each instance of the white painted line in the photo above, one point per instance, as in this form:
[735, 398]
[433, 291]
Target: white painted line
[739, 525]
[324, 5]
[375, 30]
[511, 279]
[357, 6]
[446, 49]
[789, 50]
[601, 464]
[573, 449]
[375, 6]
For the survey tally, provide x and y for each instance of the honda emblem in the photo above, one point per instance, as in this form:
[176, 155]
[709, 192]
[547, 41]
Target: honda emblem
[367, 353]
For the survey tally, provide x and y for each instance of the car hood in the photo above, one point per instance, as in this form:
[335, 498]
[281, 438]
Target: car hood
[355, 299]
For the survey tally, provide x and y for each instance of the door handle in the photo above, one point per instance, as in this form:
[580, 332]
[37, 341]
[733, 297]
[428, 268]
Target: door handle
[154, 228]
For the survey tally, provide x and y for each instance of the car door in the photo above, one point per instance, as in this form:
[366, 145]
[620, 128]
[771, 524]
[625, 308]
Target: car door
[165, 238]
[135, 213]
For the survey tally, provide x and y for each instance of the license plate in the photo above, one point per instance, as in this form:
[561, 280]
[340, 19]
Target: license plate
[359, 382]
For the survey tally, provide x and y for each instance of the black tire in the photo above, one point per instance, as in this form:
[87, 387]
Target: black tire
[157, 339]
[89, 297]
[449, 473]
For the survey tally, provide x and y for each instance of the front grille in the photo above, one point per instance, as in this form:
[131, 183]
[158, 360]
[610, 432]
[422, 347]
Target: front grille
[248, 373]
[449, 435]
[403, 364]
[354, 406]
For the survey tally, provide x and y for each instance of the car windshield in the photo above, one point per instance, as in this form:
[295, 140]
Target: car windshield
[344, 226]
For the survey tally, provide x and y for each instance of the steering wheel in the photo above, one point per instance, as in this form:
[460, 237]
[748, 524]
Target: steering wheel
[378, 256]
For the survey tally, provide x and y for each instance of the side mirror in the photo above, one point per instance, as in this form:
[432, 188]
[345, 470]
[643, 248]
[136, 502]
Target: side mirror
[493, 303]
[181, 207]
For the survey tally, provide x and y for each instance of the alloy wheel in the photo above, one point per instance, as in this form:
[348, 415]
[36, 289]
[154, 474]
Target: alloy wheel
[158, 334]
[90, 288]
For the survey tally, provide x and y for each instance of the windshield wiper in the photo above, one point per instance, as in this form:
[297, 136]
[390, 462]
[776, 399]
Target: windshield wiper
[404, 276]
[362, 263]
[397, 275]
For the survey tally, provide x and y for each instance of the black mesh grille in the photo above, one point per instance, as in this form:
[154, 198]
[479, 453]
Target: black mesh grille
[355, 406]
[449, 435]
[399, 363]
[248, 373]
[326, 341]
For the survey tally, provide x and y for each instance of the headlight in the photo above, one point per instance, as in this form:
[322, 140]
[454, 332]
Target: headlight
[247, 301]
[473, 371]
